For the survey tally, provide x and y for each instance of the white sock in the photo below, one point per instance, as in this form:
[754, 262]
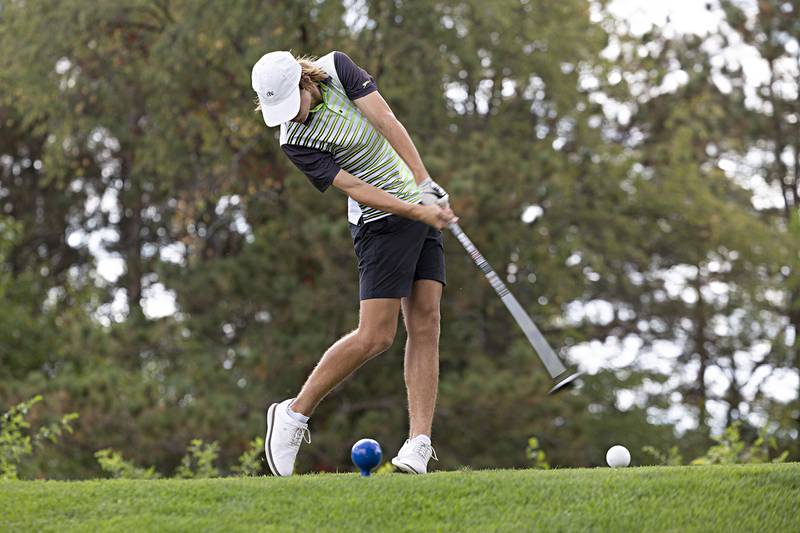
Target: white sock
[422, 438]
[296, 416]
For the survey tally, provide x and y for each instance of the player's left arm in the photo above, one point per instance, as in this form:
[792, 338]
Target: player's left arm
[361, 89]
[380, 115]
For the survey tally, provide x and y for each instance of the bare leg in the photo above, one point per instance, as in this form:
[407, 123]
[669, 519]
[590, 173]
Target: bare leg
[421, 314]
[377, 326]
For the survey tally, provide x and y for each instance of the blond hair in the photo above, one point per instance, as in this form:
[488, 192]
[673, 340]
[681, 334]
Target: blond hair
[310, 75]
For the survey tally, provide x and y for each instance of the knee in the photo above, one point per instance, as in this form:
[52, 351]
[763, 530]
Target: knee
[424, 322]
[377, 342]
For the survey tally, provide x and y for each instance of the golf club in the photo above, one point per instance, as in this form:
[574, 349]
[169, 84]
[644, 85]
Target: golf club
[561, 375]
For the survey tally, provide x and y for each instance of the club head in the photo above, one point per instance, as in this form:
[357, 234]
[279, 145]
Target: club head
[565, 381]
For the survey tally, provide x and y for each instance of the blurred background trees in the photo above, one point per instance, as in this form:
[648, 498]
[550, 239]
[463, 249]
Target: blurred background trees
[166, 273]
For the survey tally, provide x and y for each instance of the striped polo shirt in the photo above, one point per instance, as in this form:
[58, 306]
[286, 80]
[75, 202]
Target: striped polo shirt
[338, 136]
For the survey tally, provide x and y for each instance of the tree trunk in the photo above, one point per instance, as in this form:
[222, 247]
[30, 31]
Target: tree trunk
[734, 396]
[703, 356]
[130, 228]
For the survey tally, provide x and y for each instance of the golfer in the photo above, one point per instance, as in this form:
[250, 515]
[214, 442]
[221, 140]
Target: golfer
[338, 130]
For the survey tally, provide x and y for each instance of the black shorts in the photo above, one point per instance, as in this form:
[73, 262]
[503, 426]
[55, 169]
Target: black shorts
[393, 252]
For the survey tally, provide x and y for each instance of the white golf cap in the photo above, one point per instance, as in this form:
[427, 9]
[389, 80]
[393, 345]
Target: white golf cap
[276, 80]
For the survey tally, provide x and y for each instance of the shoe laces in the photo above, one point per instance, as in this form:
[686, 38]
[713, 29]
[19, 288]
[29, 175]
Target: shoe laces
[299, 435]
[425, 450]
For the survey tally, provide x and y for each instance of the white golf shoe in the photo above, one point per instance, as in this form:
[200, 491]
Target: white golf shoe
[413, 457]
[284, 436]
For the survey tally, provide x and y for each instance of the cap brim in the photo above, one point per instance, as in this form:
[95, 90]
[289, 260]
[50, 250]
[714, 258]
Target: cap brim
[284, 111]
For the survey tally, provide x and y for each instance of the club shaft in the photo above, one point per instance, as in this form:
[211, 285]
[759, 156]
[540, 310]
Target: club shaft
[549, 358]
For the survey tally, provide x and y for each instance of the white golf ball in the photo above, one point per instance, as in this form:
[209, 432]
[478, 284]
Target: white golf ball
[618, 456]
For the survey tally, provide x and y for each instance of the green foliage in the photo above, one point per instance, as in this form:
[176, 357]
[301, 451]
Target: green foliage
[536, 455]
[9, 231]
[672, 458]
[199, 460]
[731, 449]
[14, 445]
[251, 462]
[112, 463]
[16, 442]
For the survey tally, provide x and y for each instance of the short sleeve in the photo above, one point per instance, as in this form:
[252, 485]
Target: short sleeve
[317, 165]
[357, 82]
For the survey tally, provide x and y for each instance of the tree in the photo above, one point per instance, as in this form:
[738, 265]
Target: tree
[774, 140]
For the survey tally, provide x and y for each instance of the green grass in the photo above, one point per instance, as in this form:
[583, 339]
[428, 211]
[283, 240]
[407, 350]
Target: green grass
[711, 498]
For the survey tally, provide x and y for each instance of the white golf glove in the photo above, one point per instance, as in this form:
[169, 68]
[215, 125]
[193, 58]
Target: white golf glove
[433, 194]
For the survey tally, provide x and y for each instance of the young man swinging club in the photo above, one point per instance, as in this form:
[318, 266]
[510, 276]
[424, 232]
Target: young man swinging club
[338, 130]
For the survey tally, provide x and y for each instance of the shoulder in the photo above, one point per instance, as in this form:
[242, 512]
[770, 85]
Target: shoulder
[343, 63]
[356, 81]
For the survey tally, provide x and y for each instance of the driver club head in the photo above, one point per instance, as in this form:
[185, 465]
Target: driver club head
[565, 381]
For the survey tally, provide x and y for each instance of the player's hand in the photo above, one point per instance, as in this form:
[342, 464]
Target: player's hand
[438, 217]
[433, 193]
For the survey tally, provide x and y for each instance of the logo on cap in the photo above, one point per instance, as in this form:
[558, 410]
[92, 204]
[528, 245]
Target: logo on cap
[270, 93]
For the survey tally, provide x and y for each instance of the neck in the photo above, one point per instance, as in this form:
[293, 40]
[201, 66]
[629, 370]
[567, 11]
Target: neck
[316, 95]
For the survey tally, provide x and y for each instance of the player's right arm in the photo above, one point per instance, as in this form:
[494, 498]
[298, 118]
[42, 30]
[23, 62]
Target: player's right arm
[364, 193]
[321, 169]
